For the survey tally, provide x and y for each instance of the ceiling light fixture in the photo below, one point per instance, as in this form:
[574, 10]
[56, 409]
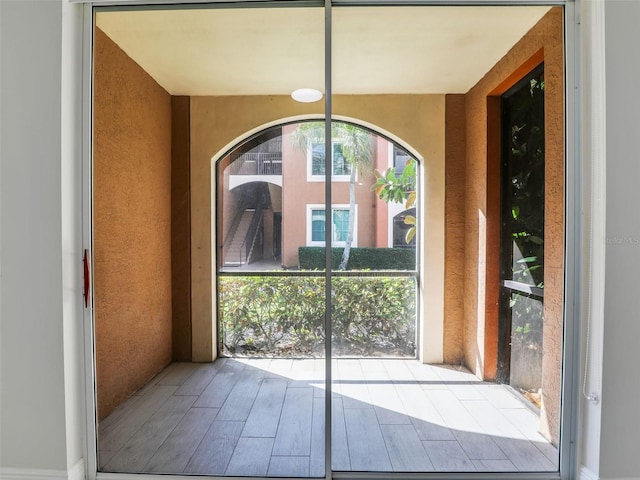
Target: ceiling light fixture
[306, 95]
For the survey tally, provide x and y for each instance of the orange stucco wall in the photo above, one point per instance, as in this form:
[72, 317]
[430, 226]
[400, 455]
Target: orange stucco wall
[132, 225]
[297, 193]
[545, 40]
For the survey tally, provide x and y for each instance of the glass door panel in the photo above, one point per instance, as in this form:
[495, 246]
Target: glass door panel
[226, 75]
[414, 349]
[377, 222]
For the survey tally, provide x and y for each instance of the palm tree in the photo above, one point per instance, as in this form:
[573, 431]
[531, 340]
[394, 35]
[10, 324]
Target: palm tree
[357, 150]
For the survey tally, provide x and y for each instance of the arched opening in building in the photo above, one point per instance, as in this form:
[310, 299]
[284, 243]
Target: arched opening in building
[271, 215]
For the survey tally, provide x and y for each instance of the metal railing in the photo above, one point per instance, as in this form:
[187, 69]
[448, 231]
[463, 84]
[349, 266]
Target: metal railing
[263, 163]
[232, 229]
[252, 233]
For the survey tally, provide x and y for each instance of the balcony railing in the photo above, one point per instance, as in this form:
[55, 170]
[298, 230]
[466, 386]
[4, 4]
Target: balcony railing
[257, 164]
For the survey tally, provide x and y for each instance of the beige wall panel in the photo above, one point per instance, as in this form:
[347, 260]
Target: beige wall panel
[218, 123]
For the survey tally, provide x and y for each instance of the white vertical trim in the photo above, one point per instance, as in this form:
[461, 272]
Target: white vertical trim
[595, 155]
[91, 444]
[594, 159]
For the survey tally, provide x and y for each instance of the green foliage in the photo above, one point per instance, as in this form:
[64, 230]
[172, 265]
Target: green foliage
[374, 315]
[524, 200]
[527, 314]
[259, 313]
[357, 143]
[361, 258]
[284, 316]
[391, 187]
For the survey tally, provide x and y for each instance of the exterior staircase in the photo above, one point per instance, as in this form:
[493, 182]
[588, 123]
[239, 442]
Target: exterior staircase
[234, 254]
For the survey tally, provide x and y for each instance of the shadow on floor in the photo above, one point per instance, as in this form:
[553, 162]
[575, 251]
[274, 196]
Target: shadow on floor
[266, 417]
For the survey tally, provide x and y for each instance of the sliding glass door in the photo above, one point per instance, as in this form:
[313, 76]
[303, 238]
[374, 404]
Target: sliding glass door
[300, 239]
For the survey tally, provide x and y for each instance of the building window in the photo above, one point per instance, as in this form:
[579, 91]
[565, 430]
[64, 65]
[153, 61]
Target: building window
[317, 225]
[339, 227]
[340, 167]
[400, 229]
[400, 159]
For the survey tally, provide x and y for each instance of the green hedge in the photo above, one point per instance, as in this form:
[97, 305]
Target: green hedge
[284, 316]
[360, 258]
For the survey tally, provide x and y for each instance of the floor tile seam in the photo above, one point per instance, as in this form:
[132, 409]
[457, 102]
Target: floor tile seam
[273, 443]
[235, 445]
[168, 434]
[381, 436]
[184, 470]
[535, 443]
[183, 379]
[134, 397]
[451, 441]
[421, 444]
[173, 430]
[453, 428]
[280, 419]
[344, 424]
[215, 374]
[291, 455]
[124, 443]
[497, 444]
[502, 433]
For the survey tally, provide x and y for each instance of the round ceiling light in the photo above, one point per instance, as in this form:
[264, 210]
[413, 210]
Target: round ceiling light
[306, 95]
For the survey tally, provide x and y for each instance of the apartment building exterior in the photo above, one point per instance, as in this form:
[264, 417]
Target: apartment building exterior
[266, 181]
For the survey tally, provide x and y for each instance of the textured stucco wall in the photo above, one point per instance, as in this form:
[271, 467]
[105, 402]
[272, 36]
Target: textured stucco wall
[479, 245]
[455, 147]
[416, 121]
[132, 225]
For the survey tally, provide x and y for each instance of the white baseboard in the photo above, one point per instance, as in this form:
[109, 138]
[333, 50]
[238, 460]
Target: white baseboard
[586, 474]
[74, 473]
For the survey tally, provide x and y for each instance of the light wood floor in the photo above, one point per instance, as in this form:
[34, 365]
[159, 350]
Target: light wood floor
[265, 417]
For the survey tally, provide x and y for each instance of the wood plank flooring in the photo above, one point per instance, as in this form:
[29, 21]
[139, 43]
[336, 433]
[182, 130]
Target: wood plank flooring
[265, 417]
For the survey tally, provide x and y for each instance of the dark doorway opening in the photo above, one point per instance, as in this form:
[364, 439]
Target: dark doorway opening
[522, 236]
[277, 235]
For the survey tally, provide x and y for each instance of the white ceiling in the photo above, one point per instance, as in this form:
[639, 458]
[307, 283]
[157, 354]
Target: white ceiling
[259, 51]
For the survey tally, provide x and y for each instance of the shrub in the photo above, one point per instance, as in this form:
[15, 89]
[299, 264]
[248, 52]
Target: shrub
[284, 316]
[360, 258]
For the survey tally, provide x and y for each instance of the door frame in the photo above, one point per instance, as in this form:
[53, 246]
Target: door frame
[574, 242]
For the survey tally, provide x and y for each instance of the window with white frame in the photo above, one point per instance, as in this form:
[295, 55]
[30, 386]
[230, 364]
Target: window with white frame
[339, 225]
[340, 167]
[400, 159]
